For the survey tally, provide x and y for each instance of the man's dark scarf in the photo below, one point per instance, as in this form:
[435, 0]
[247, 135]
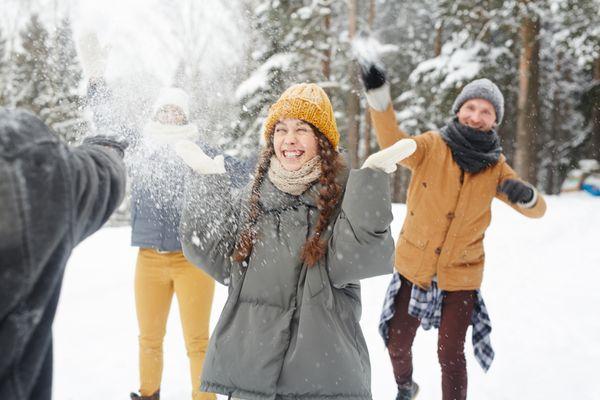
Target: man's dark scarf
[472, 150]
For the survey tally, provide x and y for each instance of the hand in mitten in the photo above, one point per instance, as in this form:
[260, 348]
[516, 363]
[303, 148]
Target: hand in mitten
[373, 76]
[517, 191]
[116, 143]
[92, 55]
[378, 90]
[197, 160]
[386, 159]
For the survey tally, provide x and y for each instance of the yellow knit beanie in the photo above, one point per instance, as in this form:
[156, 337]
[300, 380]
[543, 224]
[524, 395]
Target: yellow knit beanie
[308, 102]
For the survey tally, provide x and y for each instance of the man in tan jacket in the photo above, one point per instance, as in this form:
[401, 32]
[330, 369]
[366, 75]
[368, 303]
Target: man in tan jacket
[456, 173]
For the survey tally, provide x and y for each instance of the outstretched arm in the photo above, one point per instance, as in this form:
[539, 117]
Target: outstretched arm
[98, 174]
[520, 195]
[361, 245]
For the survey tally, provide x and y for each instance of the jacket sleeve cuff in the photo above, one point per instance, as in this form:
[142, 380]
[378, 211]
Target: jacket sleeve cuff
[379, 99]
[106, 141]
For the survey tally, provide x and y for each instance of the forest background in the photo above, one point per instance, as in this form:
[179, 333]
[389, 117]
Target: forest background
[235, 57]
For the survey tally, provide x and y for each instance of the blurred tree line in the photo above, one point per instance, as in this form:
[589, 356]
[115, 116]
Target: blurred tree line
[42, 74]
[543, 54]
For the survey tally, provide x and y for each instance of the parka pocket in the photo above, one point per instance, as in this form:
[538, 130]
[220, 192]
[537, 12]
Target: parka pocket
[410, 252]
[469, 255]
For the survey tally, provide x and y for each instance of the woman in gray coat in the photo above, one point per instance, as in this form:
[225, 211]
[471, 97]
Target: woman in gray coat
[292, 249]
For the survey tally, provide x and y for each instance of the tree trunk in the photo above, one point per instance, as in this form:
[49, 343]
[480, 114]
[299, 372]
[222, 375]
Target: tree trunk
[326, 63]
[353, 101]
[528, 102]
[400, 188]
[596, 115]
[437, 41]
[368, 126]
[556, 132]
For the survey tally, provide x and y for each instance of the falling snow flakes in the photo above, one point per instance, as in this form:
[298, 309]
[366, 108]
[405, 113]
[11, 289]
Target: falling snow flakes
[195, 239]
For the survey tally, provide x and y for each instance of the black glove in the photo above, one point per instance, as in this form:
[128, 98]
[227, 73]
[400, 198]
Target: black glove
[517, 191]
[114, 142]
[373, 76]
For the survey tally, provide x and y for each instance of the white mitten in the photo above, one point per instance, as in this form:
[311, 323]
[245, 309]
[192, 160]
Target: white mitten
[386, 159]
[196, 159]
[92, 55]
[379, 98]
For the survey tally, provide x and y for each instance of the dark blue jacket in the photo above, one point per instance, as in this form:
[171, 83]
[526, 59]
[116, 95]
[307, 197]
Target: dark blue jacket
[157, 196]
[51, 198]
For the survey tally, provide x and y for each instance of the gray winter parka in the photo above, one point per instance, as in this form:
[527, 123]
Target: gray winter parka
[288, 331]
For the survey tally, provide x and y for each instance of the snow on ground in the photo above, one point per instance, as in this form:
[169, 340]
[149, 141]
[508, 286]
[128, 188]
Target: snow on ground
[540, 287]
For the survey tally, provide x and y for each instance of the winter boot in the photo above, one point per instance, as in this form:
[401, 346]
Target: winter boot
[155, 396]
[408, 391]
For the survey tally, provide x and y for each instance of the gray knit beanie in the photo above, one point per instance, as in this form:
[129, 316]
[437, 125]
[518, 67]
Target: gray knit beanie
[481, 89]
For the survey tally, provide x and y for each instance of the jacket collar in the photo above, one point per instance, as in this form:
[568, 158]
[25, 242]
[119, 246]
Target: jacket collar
[273, 199]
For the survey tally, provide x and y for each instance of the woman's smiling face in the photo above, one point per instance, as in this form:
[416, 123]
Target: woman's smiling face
[295, 143]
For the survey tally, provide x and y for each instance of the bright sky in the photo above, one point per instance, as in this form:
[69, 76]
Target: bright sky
[145, 36]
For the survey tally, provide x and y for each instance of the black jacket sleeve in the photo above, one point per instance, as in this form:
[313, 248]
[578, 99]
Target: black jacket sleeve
[99, 178]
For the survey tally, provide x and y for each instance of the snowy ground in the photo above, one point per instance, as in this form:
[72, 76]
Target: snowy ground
[540, 286]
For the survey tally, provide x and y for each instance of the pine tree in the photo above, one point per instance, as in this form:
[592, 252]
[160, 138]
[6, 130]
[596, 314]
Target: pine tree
[65, 115]
[288, 43]
[569, 39]
[32, 87]
[580, 36]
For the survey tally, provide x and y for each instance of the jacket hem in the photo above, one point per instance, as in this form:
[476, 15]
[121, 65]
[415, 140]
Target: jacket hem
[250, 395]
[442, 284]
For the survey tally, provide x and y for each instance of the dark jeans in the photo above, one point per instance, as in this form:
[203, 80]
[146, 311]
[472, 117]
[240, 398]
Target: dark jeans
[457, 308]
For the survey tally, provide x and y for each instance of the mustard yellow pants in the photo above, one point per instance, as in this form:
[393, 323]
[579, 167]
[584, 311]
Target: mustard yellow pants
[157, 276]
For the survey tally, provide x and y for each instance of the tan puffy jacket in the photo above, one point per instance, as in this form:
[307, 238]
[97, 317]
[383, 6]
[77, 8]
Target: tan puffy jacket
[448, 210]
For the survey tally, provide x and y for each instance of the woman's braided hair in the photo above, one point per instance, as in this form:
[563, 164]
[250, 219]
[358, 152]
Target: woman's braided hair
[329, 196]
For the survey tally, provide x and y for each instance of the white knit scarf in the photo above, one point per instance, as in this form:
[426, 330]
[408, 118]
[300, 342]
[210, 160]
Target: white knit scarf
[294, 182]
[164, 134]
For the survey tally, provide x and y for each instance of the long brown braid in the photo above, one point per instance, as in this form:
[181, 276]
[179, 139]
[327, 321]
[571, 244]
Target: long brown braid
[329, 196]
[243, 247]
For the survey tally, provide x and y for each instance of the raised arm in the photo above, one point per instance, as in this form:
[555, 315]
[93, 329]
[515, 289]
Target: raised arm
[383, 115]
[380, 106]
[109, 119]
[209, 224]
[211, 215]
[361, 245]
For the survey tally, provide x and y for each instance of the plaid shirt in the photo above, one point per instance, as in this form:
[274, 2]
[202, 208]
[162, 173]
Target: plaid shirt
[426, 305]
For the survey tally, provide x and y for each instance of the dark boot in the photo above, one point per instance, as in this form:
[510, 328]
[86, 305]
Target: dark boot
[408, 391]
[155, 396]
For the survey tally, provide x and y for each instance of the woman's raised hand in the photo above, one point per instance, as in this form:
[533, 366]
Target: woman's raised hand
[386, 159]
[92, 55]
[196, 159]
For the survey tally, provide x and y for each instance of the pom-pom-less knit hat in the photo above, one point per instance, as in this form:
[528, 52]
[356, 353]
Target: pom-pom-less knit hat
[308, 102]
[481, 89]
[174, 97]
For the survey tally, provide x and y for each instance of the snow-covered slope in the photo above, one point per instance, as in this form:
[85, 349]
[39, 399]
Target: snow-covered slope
[540, 286]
